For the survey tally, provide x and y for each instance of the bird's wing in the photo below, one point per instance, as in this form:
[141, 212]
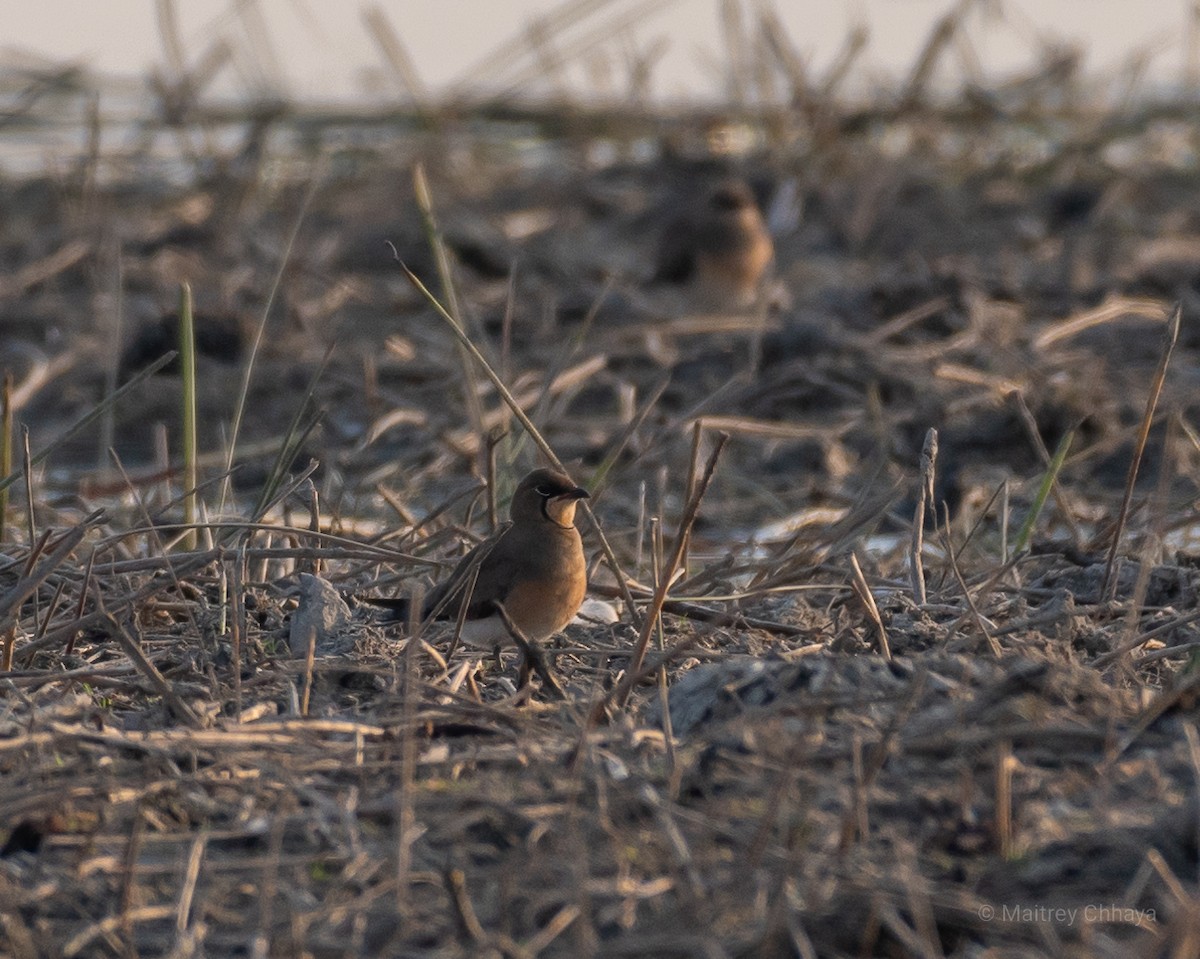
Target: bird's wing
[676, 259]
[492, 584]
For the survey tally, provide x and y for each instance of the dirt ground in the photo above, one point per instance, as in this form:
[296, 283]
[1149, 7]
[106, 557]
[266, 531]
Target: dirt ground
[816, 760]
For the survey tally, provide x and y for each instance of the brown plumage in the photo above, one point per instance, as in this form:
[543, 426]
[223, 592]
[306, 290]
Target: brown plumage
[534, 566]
[721, 249]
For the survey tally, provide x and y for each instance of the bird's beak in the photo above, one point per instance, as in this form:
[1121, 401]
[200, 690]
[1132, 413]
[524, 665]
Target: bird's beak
[577, 493]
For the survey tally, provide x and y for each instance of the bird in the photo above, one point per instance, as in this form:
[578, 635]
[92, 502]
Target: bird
[720, 249]
[219, 336]
[531, 574]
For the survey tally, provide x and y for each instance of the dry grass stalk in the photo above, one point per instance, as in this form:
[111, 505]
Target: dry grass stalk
[131, 649]
[40, 271]
[301, 815]
[6, 444]
[633, 671]
[602, 472]
[1004, 766]
[183, 913]
[235, 428]
[857, 40]
[973, 608]
[938, 41]
[405, 808]
[863, 591]
[507, 54]
[90, 416]
[865, 777]
[1114, 308]
[689, 489]
[495, 435]
[394, 52]
[310, 653]
[925, 496]
[748, 426]
[27, 585]
[464, 910]
[27, 473]
[187, 363]
[544, 61]
[446, 278]
[1139, 450]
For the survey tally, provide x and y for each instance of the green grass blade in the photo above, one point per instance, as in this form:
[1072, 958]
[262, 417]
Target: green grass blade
[1039, 501]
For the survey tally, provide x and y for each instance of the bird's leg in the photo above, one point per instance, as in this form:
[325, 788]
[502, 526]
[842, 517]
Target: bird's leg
[531, 655]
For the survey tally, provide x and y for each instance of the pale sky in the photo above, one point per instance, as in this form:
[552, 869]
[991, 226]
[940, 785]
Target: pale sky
[323, 50]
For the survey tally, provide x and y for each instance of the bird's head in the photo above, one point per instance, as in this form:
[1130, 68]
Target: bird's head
[547, 496]
[731, 196]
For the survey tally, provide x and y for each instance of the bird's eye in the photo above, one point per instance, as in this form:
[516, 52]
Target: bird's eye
[543, 491]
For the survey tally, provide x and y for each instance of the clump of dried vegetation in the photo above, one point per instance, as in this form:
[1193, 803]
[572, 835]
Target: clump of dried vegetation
[910, 666]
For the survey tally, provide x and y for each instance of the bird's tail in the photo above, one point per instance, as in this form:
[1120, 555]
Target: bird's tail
[397, 605]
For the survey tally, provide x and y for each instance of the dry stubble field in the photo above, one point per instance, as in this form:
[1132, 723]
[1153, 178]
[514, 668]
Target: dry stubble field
[815, 761]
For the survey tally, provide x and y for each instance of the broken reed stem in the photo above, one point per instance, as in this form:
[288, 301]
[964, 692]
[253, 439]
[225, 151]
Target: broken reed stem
[406, 816]
[1004, 520]
[935, 45]
[465, 916]
[1155, 534]
[856, 822]
[664, 694]
[977, 616]
[6, 441]
[397, 57]
[1156, 385]
[633, 671]
[464, 607]
[609, 556]
[863, 591]
[310, 655]
[236, 623]
[314, 522]
[879, 752]
[155, 533]
[690, 487]
[916, 570]
[187, 894]
[493, 442]
[187, 364]
[1005, 764]
[27, 471]
[69, 649]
